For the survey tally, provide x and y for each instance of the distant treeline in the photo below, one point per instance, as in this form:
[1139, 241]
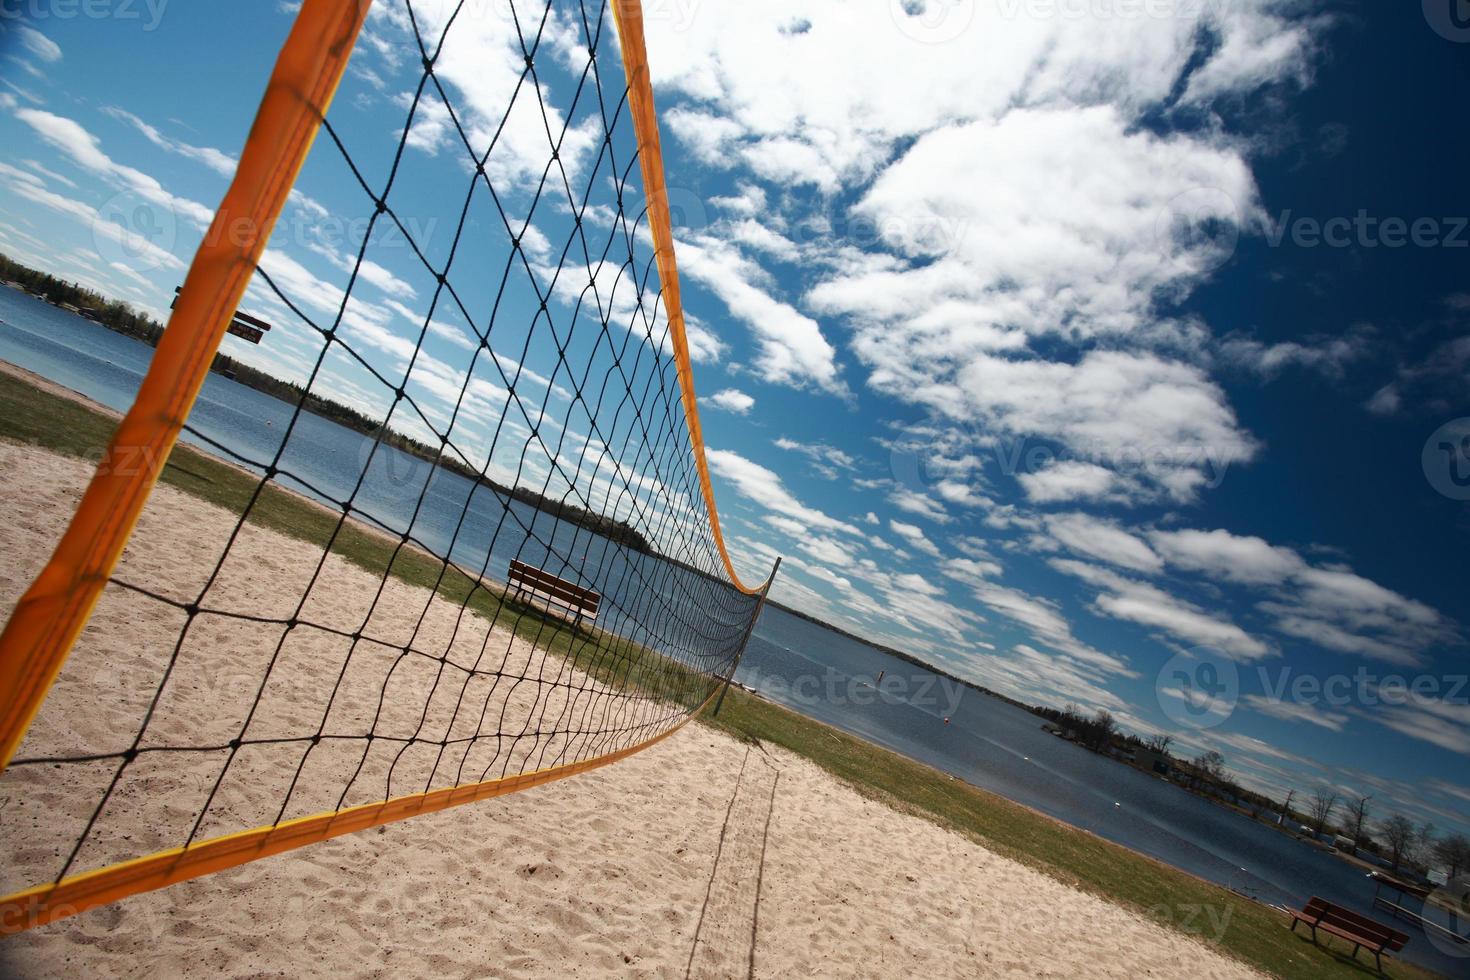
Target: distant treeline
[122, 318]
[111, 313]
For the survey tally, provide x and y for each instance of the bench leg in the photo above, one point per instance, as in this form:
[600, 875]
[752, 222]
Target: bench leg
[1356, 948]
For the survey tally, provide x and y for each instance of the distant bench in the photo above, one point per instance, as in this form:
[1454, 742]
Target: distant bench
[527, 580]
[1361, 931]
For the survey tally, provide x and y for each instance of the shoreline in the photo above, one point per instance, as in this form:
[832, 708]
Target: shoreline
[606, 874]
[1066, 853]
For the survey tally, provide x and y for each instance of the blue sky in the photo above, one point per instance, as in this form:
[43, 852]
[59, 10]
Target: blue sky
[1088, 350]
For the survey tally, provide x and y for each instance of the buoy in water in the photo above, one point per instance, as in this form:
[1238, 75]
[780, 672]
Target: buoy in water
[946, 721]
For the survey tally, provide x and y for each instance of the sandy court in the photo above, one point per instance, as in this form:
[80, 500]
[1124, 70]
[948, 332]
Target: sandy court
[604, 874]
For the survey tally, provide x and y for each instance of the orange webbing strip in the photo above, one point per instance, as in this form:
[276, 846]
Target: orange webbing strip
[629, 17]
[47, 903]
[53, 611]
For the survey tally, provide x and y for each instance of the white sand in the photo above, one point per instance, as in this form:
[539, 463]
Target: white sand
[606, 873]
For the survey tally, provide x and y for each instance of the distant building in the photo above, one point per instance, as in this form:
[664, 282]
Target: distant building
[1154, 761]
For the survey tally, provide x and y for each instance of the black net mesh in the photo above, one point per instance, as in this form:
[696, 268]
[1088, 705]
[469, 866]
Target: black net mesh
[485, 384]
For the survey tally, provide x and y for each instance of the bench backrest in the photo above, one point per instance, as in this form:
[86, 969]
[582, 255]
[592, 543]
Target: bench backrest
[1324, 911]
[569, 592]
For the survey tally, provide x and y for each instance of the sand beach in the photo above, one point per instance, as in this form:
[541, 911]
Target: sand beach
[703, 855]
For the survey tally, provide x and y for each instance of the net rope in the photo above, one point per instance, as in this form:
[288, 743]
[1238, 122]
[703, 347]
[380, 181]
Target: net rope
[404, 662]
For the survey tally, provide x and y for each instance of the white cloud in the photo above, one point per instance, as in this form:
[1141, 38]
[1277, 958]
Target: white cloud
[216, 160]
[731, 400]
[1329, 356]
[128, 242]
[1309, 714]
[85, 150]
[1148, 605]
[792, 349]
[1222, 555]
[1340, 610]
[1042, 617]
[1097, 538]
[1437, 722]
[764, 487]
[915, 537]
[38, 44]
[481, 62]
[829, 462]
[914, 502]
[1022, 212]
[1068, 480]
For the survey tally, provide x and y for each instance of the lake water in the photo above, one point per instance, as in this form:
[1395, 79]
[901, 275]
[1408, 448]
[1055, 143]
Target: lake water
[819, 672]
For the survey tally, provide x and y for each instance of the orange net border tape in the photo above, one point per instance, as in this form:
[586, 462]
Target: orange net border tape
[629, 17]
[52, 613]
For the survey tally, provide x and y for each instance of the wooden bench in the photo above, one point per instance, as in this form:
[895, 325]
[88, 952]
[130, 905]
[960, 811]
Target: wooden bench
[529, 581]
[1361, 931]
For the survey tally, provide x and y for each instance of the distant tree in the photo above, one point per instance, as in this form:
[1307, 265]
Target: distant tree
[1321, 808]
[1453, 854]
[1358, 818]
[1286, 807]
[1105, 726]
[1212, 765]
[1398, 834]
[1424, 845]
[1160, 743]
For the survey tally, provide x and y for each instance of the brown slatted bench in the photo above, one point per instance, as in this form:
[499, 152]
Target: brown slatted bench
[1361, 931]
[527, 580]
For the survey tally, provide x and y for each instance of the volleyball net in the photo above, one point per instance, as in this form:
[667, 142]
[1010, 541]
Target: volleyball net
[457, 536]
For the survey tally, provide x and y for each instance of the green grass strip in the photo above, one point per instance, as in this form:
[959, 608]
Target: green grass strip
[1250, 932]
